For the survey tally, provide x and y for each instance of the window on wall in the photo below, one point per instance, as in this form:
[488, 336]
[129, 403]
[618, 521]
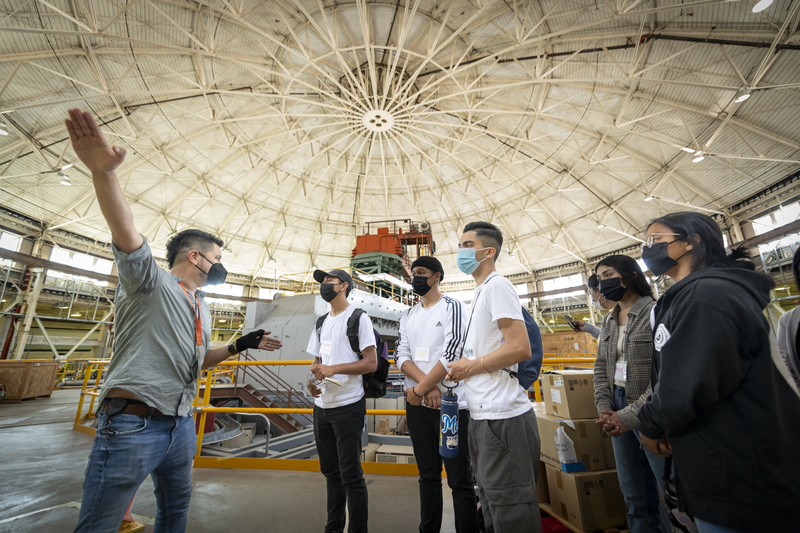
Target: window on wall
[225, 289]
[82, 261]
[522, 288]
[9, 241]
[563, 282]
[781, 217]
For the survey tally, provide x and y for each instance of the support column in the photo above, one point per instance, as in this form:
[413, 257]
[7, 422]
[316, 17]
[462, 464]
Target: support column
[33, 299]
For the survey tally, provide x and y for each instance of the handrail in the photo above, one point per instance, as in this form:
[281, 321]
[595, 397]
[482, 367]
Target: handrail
[280, 381]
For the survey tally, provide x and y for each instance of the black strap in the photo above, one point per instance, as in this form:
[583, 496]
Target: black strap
[352, 329]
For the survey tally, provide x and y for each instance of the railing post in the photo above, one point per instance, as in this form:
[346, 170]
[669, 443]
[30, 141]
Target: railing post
[202, 426]
[96, 385]
[86, 377]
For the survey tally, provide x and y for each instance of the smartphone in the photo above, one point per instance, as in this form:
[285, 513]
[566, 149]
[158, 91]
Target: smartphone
[571, 323]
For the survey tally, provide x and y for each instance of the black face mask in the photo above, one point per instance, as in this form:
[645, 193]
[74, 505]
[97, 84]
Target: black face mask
[420, 284]
[612, 289]
[216, 274]
[657, 258]
[327, 291]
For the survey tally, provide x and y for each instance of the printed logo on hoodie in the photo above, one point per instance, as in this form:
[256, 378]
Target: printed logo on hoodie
[661, 338]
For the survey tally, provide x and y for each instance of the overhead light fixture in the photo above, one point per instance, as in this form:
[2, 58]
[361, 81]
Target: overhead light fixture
[648, 199]
[65, 167]
[745, 94]
[687, 149]
[75, 314]
[223, 320]
[699, 157]
[762, 5]
[555, 243]
[601, 226]
[64, 179]
[3, 128]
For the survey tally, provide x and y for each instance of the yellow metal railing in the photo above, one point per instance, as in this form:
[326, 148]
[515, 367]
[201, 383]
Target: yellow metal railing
[203, 407]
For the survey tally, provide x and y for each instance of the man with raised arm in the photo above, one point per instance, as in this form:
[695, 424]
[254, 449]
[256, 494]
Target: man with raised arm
[144, 422]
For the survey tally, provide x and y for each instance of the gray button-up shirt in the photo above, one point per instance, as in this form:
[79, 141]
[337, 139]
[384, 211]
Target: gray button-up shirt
[155, 337]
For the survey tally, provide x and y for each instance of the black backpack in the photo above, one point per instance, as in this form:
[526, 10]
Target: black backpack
[374, 382]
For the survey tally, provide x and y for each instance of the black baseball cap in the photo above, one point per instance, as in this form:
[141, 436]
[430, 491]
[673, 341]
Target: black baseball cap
[319, 277]
[429, 262]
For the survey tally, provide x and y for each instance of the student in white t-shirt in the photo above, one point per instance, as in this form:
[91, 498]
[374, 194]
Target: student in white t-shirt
[432, 335]
[340, 410]
[503, 435]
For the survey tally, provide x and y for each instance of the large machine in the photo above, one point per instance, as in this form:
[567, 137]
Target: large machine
[393, 247]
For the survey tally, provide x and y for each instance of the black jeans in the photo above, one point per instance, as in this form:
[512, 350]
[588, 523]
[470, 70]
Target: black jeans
[423, 426]
[338, 435]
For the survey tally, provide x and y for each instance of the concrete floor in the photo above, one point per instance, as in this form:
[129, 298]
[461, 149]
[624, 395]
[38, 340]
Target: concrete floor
[43, 463]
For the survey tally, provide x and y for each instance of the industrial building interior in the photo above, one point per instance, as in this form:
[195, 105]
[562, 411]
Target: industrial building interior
[359, 135]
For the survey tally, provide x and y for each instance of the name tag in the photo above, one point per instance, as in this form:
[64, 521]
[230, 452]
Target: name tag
[325, 348]
[422, 353]
[621, 372]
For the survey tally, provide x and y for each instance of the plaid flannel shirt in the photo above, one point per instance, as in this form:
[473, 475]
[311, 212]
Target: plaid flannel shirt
[638, 355]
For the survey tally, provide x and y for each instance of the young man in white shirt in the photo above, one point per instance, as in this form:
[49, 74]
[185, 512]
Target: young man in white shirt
[503, 435]
[340, 408]
[432, 335]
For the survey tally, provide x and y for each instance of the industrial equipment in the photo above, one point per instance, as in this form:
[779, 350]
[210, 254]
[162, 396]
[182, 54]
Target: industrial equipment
[393, 247]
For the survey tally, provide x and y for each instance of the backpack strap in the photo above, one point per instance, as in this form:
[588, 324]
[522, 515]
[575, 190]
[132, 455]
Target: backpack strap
[352, 330]
[320, 321]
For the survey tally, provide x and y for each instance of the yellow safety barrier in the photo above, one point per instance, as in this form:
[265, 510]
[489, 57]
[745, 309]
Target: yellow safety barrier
[85, 391]
[202, 408]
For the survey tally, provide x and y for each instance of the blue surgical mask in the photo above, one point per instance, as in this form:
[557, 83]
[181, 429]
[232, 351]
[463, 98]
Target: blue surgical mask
[466, 259]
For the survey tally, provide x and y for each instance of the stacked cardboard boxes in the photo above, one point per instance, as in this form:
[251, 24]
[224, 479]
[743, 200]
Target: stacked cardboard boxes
[578, 457]
[569, 342]
[387, 453]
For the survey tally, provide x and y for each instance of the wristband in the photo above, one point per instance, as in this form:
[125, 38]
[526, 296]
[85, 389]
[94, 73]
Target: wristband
[484, 366]
[415, 392]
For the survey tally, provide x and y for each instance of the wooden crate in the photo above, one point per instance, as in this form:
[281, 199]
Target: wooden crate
[28, 378]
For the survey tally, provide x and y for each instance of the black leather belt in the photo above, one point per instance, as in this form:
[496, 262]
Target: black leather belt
[127, 406]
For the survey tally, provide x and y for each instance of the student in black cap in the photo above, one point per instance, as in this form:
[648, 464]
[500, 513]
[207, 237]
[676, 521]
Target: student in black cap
[340, 406]
[431, 336]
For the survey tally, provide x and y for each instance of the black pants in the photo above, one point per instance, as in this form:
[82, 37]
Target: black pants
[423, 426]
[338, 435]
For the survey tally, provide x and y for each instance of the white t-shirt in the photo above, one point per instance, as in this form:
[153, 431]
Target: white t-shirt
[333, 348]
[496, 395]
[433, 334]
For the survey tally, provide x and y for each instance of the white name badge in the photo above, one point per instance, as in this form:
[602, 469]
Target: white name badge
[325, 348]
[422, 353]
[621, 372]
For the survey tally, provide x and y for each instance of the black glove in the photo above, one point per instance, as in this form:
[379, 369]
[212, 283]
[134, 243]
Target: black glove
[251, 341]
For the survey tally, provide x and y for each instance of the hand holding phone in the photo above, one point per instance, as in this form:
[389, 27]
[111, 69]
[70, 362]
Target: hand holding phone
[571, 323]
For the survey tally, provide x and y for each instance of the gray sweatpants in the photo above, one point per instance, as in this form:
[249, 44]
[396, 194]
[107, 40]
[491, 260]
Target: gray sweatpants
[505, 459]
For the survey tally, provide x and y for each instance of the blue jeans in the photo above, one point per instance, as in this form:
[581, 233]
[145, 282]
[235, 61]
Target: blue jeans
[337, 432]
[708, 527]
[126, 450]
[640, 474]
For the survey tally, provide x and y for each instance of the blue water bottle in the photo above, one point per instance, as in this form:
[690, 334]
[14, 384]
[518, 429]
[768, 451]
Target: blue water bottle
[448, 434]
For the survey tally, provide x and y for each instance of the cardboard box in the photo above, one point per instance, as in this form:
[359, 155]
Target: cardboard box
[569, 342]
[542, 490]
[608, 449]
[587, 500]
[368, 452]
[569, 393]
[383, 427]
[587, 444]
[395, 454]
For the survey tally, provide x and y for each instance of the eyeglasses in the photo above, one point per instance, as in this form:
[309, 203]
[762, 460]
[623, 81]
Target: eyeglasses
[591, 291]
[650, 240]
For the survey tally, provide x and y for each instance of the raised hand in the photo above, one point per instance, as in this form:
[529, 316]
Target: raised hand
[90, 144]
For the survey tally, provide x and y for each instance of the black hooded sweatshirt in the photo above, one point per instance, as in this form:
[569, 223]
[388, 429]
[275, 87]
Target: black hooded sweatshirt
[732, 419]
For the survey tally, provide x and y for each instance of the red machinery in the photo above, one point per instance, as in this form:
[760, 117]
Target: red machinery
[387, 250]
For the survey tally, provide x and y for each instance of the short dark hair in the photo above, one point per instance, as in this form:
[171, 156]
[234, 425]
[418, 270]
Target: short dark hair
[592, 282]
[630, 272]
[489, 234]
[705, 236]
[190, 239]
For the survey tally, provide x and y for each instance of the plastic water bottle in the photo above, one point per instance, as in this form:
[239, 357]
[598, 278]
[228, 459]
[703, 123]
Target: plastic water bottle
[448, 434]
[318, 383]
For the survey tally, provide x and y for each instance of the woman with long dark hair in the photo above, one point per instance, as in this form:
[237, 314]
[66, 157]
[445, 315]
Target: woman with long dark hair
[724, 405]
[622, 384]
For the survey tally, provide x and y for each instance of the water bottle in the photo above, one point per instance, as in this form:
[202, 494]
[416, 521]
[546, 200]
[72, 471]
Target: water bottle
[318, 383]
[448, 434]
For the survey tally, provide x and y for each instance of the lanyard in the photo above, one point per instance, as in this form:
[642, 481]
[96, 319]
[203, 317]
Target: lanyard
[198, 324]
